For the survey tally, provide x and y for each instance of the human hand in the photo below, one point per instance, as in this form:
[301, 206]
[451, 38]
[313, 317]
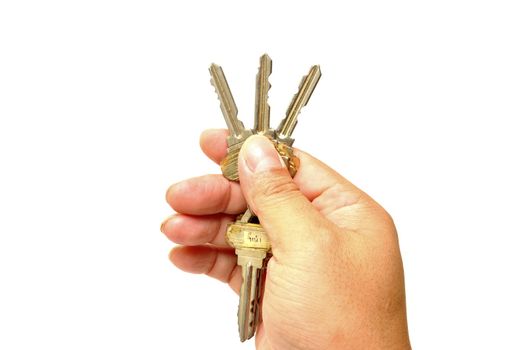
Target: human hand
[335, 280]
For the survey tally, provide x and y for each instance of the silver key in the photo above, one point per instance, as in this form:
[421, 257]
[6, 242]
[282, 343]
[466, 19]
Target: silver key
[262, 110]
[301, 98]
[253, 261]
[227, 104]
[243, 234]
[238, 133]
[253, 250]
[250, 241]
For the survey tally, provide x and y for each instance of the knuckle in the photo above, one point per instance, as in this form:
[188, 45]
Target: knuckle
[389, 219]
[384, 217]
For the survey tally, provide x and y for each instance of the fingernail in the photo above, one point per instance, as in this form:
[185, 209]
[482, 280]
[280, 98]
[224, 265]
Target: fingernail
[164, 223]
[260, 155]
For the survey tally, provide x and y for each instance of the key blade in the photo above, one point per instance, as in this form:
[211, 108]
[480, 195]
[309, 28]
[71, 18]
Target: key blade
[227, 104]
[254, 302]
[243, 307]
[261, 108]
[301, 98]
[252, 262]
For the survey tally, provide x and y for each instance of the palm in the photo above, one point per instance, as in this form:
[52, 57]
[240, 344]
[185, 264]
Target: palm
[287, 306]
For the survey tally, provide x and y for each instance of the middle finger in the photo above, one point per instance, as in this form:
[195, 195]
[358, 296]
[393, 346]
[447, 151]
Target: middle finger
[197, 230]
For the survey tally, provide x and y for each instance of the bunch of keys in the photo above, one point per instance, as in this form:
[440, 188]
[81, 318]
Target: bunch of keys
[246, 235]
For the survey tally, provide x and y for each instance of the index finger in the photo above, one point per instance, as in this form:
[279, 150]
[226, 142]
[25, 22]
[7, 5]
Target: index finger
[213, 143]
[313, 176]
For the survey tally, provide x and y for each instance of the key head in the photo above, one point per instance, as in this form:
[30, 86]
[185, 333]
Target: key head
[244, 235]
[229, 165]
[290, 160]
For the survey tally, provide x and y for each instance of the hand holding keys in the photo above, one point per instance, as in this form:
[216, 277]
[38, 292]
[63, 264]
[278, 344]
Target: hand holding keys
[246, 235]
[334, 278]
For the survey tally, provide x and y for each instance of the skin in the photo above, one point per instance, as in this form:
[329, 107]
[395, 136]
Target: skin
[335, 280]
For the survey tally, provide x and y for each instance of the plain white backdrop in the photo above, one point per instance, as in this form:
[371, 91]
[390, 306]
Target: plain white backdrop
[421, 104]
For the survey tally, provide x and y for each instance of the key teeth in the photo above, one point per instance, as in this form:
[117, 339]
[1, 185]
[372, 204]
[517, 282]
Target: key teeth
[306, 88]
[227, 104]
[262, 108]
[216, 90]
[250, 241]
[218, 97]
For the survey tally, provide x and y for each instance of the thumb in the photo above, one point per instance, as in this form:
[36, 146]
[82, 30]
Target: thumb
[284, 212]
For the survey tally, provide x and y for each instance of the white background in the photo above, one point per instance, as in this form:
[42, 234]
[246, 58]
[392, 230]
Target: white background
[421, 104]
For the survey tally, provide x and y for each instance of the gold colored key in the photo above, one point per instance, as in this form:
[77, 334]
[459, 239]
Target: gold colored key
[287, 126]
[246, 235]
[262, 111]
[253, 248]
[229, 165]
[237, 132]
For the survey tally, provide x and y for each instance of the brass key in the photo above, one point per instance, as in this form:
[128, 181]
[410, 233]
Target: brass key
[253, 248]
[238, 133]
[288, 124]
[246, 235]
[301, 98]
[262, 111]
